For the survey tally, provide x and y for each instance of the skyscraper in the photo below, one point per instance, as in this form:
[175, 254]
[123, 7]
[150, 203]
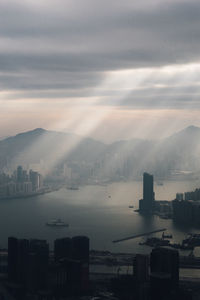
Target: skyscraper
[147, 203]
[141, 267]
[38, 264]
[62, 248]
[164, 265]
[19, 174]
[12, 258]
[165, 260]
[28, 262]
[80, 246]
[72, 258]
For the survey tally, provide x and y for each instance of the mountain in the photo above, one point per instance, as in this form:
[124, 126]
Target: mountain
[182, 149]
[179, 152]
[50, 146]
[121, 159]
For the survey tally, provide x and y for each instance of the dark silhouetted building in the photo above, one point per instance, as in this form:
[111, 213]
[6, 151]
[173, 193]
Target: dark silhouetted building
[38, 264]
[179, 196]
[19, 174]
[146, 205]
[74, 248]
[35, 179]
[12, 258]
[72, 265]
[18, 260]
[62, 248]
[141, 267]
[28, 262]
[164, 278]
[80, 246]
[23, 261]
[186, 212]
[194, 195]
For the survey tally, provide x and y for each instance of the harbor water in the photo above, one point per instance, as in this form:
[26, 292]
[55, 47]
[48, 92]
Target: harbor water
[100, 212]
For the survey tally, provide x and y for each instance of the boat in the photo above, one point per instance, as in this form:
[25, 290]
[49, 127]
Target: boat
[74, 188]
[193, 240]
[160, 183]
[131, 206]
[155, 242]
[57, 223]
[167, 236]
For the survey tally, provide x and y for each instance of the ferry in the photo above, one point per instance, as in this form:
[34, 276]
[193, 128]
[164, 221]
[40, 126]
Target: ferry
[73, 187]
[167, 236]
[57, 223]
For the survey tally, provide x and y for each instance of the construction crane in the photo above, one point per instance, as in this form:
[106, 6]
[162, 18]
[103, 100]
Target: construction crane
[139, 235]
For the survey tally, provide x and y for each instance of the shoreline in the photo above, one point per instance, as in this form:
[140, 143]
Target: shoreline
[33, 194]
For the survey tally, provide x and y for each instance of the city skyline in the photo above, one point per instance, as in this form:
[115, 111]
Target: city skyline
[96, 96]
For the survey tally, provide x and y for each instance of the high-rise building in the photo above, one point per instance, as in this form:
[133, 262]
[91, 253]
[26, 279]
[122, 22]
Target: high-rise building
[76, 248]
[72, 261]
[19, 173]
[38, 264]
[164, 265]
[179, 196]
[80, 246]
[35, 180]
[23, 261]
[62, 248]
[18, 260]
[28, 262]
[146, 205]
[141, 267]
[12, 259]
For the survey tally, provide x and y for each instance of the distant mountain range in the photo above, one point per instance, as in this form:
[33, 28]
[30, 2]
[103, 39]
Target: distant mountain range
[121, 159]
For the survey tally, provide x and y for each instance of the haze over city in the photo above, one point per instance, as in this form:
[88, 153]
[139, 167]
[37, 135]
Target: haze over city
[99, 150]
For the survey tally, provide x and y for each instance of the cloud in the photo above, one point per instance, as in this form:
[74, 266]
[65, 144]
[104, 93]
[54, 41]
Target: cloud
[66, 49]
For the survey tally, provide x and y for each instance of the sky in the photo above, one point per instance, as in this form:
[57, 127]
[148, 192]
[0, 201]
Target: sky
[106, 69]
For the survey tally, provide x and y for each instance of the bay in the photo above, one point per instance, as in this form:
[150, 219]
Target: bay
[100, 212]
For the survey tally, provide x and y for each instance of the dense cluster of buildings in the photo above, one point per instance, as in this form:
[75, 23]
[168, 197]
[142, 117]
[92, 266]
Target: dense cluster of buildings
[155, 277]
[20, 183]
[186, 208]
[193, 195]
[33, 270]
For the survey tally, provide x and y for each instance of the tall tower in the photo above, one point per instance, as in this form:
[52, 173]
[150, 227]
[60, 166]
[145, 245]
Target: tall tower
[147, 203]
[164, 278]
[19, 174]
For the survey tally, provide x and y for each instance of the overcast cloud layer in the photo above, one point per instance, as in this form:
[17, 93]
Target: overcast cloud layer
[72, 49]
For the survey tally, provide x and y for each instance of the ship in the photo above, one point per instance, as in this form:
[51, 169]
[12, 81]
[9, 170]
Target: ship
[155, 242]
[193, 240]
[167, 236]
[160, 183]
[74, 188]
[57, 223]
